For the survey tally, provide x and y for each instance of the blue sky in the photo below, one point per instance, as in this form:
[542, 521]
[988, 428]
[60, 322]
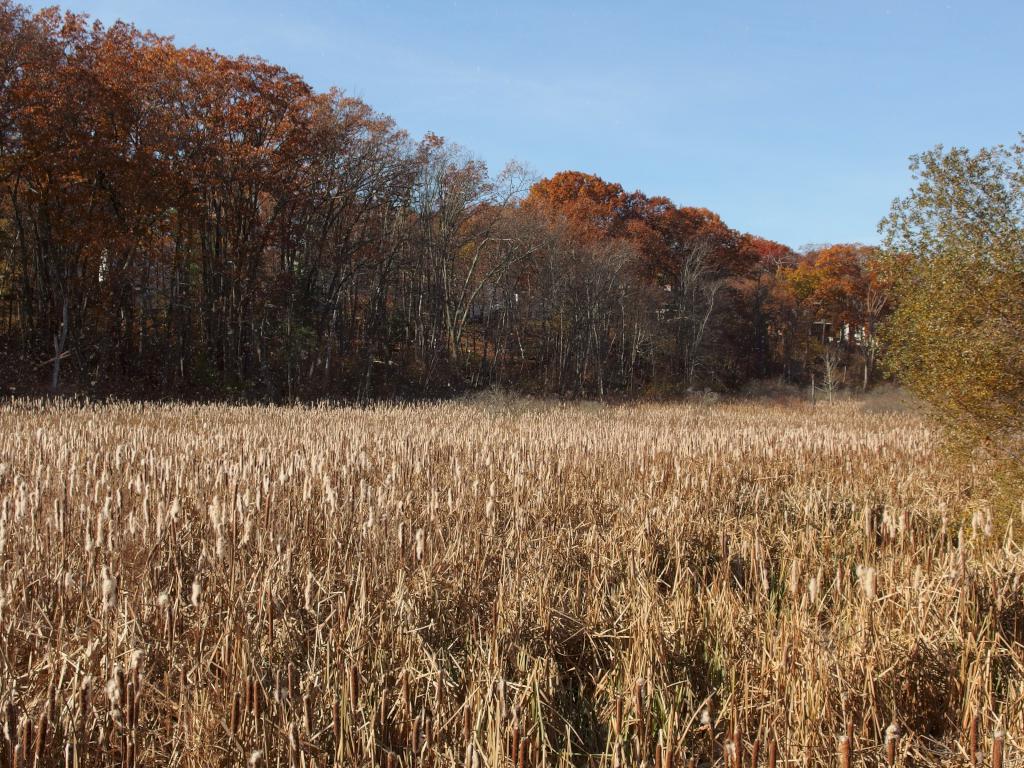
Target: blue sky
[793, 120]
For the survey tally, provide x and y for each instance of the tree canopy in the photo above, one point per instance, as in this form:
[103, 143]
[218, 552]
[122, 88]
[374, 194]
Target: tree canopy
[955, 252]
[176, 222]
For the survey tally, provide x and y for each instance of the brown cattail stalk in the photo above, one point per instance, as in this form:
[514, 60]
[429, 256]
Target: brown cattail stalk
[467, 723]
[40, 740]
[353, 686]
[973, 742]
[11, 726]
[25, 742]
[236, 712]
[892, 738]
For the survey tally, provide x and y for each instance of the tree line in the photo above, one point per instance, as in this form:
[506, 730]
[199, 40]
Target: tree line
[176, 222]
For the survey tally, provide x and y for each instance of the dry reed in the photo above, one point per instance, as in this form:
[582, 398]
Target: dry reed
[524, 584]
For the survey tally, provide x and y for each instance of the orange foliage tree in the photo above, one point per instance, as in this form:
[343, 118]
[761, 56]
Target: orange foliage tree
[178, 222]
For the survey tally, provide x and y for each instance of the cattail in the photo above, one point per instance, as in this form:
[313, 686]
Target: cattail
[115, 688]
[257, 700]
[336, 721]
[812, 590]
[83, 701]
[773, 753]
[132, 701]
[866, 575]
[413, 730]
[40, 740]
[406, 693]
[163, 602]
[705, 721]
[892, 737]
[109, 590]
[384, 719]
[236, 712]
[974, 753]
[353, 685]
[997, 748]
[11, 723]
[307, 593]
[293, 744]
[293, 680]
[25, 742]
[421, 540]
[277, 691]
[844, 752]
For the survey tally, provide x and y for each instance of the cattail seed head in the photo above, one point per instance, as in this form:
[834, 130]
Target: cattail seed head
[115, 688]
[307, 593]
[892, 737]
[420, 543]
[866, 576]
[109, 586]
[844, 752]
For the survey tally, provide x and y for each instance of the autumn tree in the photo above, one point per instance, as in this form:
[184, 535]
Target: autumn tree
[692, 255]
[829, 301]
[955, 245]
[757, 293]
[174, 221]
[593, 209]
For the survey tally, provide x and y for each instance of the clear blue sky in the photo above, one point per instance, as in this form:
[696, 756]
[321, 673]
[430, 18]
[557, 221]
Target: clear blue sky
[792, 119]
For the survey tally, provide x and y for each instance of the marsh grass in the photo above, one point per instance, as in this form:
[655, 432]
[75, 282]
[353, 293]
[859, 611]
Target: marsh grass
[498, 583]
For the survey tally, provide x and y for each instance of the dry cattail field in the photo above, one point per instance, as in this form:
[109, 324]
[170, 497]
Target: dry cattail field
[499, 583]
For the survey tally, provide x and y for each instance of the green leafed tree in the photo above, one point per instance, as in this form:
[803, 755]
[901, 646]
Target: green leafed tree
[955, 252]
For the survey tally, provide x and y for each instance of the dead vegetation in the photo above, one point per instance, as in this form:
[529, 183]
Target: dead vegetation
[499, 583]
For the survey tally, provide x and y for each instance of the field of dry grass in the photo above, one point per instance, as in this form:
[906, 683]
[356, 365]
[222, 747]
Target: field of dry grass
[499, 583]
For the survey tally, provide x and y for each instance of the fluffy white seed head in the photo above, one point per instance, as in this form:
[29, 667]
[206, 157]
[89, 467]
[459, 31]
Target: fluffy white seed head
[109, 586]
